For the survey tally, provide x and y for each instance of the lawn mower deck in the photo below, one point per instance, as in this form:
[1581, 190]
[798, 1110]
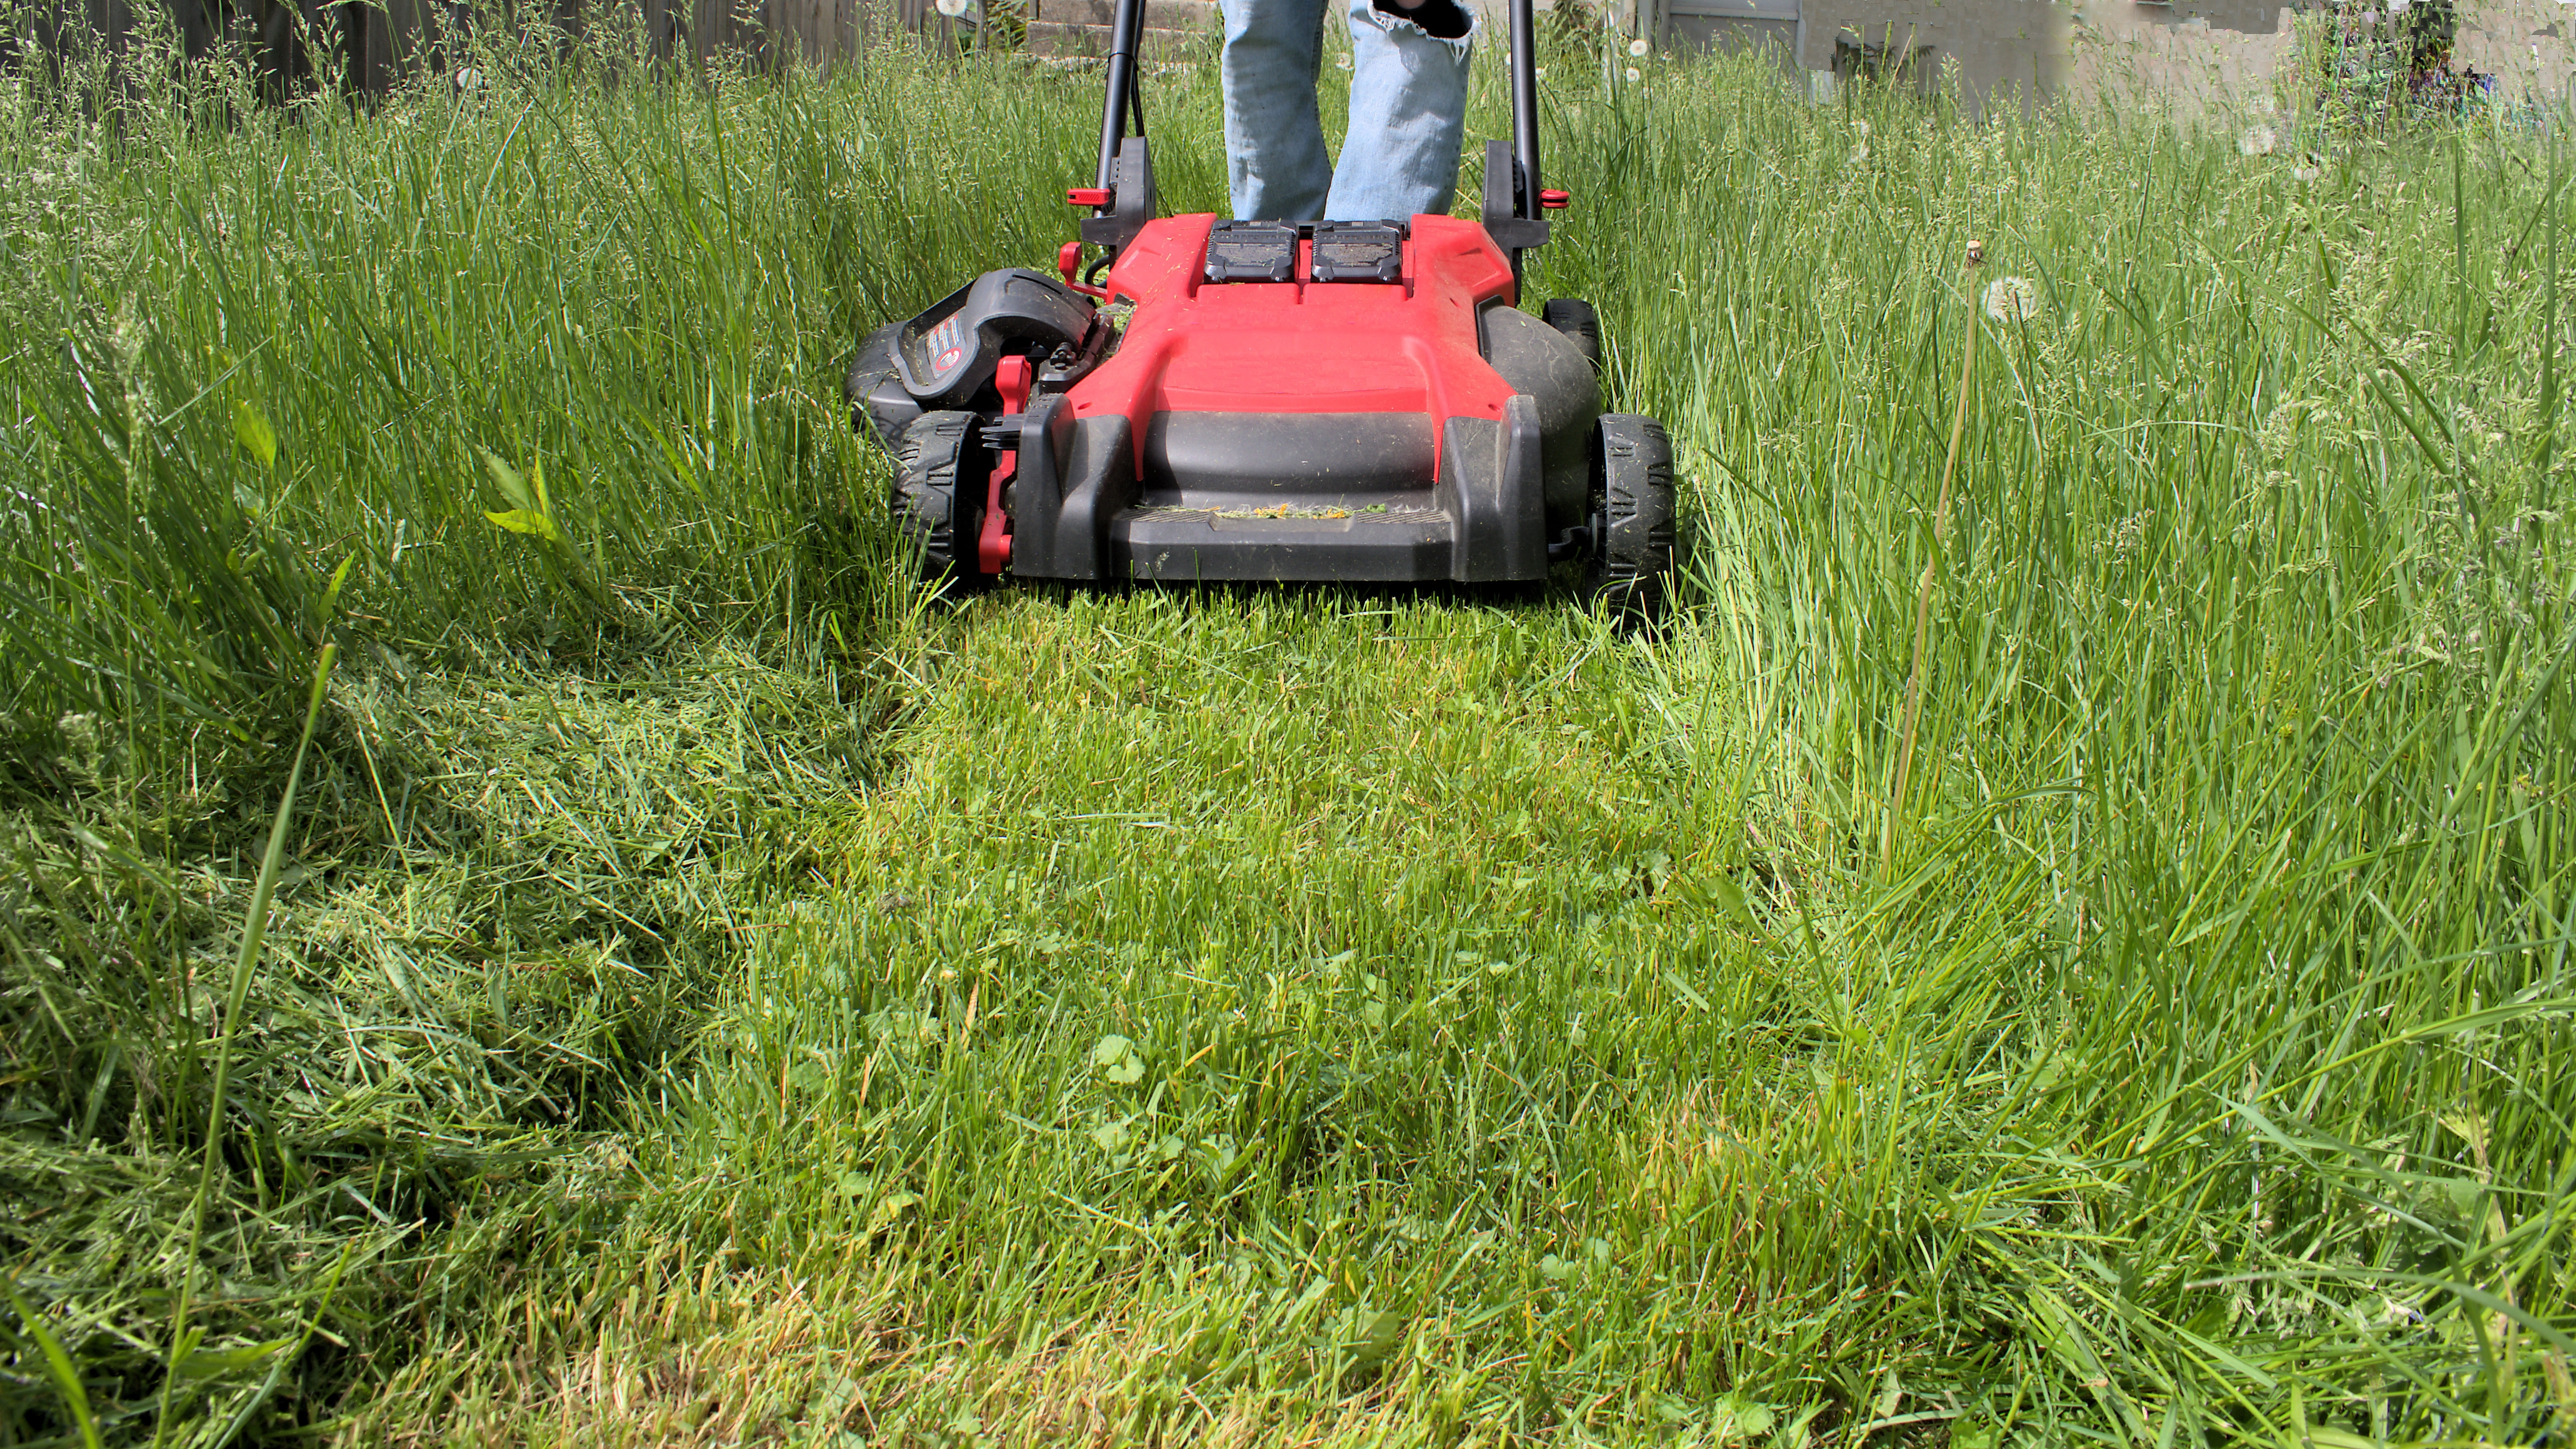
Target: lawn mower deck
[1270, 400]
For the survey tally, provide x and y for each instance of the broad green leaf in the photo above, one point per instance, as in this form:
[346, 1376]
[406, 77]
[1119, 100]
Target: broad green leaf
[527, 520]
[1722, 892]
[251, 430]
[339, 577]
[1116, 1059]
[1734, 1418]
[1367, 1336]
[507, 479]
[890, 1210]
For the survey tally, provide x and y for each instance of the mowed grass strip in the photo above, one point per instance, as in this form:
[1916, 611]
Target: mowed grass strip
[1284, 1020]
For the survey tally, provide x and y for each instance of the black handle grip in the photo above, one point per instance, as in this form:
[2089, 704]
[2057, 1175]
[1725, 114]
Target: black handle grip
[1126, 24]
[1524, 37]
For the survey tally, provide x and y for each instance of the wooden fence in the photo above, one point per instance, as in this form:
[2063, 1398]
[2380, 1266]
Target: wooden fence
[368, 46]
[1064, 28]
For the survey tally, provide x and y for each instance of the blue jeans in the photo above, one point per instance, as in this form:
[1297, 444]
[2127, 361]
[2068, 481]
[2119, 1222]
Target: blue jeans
[1408, 110]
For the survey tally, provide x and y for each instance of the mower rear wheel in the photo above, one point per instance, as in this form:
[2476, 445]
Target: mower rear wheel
[1631, 573]
[1578, 321]
[937, 453]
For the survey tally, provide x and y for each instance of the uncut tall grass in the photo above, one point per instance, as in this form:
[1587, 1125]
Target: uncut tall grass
[2179, 1060]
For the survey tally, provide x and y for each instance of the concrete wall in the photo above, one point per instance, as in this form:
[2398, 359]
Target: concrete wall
[2528, 45]
[2188, 57]
[2004, 51]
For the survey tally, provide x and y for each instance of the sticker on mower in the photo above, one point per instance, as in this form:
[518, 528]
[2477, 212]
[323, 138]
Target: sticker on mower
[947, 347]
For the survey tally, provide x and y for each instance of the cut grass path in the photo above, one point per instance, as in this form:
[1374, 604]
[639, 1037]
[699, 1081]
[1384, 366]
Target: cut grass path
[1244, 999]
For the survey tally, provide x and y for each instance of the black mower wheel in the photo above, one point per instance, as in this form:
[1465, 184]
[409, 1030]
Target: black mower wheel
[934, 455]
[1578, 321]
[1631, 573]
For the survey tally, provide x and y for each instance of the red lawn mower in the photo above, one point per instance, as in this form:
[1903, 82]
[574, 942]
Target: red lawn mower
[1354, 401]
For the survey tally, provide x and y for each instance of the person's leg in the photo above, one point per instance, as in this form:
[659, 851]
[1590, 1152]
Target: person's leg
[1408, 109]
[1274, 138]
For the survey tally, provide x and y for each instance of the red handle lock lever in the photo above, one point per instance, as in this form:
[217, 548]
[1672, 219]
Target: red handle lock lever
[1068, 265]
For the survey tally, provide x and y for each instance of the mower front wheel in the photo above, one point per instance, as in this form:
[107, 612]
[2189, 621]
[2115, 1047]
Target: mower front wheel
[938, 469]
[1631, 572]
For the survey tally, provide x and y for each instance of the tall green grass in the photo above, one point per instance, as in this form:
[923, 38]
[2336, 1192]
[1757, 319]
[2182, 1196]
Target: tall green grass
[245, 349]
[2247, 717]
[1254, 1018]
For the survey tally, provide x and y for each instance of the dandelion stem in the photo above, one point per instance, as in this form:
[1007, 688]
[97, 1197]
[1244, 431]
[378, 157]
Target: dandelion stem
[1931, 565]
[2549, 325]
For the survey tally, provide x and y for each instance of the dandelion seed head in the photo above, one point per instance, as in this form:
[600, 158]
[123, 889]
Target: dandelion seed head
[1632, 74]
[2012, 299]
[2258, 140]
[1637, 46]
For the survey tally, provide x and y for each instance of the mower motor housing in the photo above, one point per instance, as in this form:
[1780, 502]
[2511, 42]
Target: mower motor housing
[1354, 401]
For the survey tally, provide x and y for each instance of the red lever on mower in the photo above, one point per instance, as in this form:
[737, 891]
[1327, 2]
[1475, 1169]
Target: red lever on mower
[1068, 260]
[1086, 195]
[993, 540]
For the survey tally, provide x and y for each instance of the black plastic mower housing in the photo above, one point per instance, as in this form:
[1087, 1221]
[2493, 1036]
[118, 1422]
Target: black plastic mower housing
[1234, 494]
[945, 356]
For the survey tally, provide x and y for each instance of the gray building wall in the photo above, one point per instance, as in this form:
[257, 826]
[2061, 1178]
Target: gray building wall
[2185, 57]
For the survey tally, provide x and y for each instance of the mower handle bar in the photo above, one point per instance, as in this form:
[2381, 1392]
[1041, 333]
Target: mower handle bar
[1127, 23]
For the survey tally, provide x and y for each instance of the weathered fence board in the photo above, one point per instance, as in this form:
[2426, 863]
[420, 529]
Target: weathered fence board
[369, 46]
